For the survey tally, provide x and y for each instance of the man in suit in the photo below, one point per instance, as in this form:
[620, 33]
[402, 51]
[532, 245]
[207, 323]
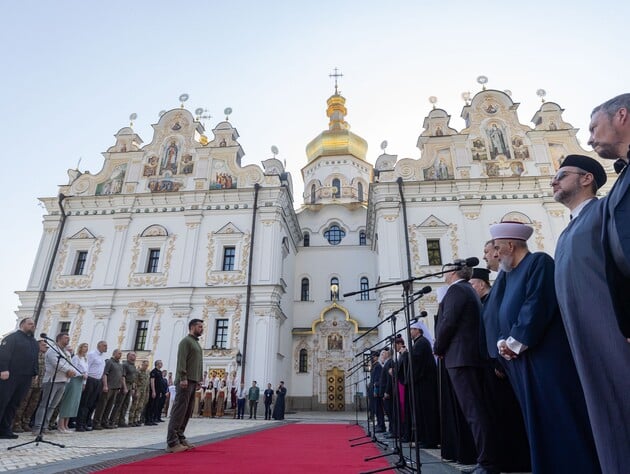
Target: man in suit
[457, 342]
[377, 394]
[610, 138]
[387, 390]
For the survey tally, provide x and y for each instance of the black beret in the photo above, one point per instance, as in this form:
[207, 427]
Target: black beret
[587, 164]
[481, 274]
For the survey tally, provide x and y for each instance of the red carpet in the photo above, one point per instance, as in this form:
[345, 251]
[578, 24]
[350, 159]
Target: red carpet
[296, 448]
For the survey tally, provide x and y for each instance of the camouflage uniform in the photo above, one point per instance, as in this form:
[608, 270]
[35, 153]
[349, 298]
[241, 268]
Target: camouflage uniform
[130, 374]
[140, 399]
[28, 406]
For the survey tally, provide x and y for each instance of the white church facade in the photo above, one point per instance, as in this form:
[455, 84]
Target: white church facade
[178, 229]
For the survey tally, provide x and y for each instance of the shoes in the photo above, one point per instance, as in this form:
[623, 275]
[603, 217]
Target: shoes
[88, 428]
[150, 423]
[123, 425]
[97, 427]
[160, 420]
[80, 429]
[9, 436]
[478, 469]
[18, 429]
[185, 442]
[178, 448]
[379, 430]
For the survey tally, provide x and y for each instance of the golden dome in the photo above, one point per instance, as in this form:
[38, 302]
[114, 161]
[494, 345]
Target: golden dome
[338, 139]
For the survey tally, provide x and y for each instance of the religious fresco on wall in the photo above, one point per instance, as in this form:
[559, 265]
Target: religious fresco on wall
[442, 167]
[335, 342]
[497, 141]
[221, 178]
[164, 185]
[169, 158]
[504, 168]
[187, 165]
[113, 185]
[521, 152]
[478, 149]
[558, 152]
[150, 168]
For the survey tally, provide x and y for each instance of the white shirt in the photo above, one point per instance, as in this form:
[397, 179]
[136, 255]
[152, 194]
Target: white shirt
[96, 364]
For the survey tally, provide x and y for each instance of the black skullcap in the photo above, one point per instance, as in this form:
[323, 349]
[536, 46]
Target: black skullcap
[481, 274]
[589, 165]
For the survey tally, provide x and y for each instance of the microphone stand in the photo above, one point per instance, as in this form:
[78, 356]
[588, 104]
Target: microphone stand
[40, 436]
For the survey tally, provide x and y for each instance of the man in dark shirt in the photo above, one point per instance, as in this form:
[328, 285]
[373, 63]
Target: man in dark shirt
[156, 392]
[268, 399]
[18, 365]
[112, 382]
[187, 381]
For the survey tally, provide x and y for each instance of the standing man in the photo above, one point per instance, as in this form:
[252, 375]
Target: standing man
[253, 395]
[457, 342]
[156, 392]
[130, 375]
[142, 395]
[241, 396]
[377, 392]
[268, 399]
[58, 366]
[427, 409]
[540, 366]
[610, 138]
[18, 366]
[188, 378]
[582, 292]
[26, 410]
[386, 384]
[504, 407]
[112, 382]
[278, 408]
[93, 386]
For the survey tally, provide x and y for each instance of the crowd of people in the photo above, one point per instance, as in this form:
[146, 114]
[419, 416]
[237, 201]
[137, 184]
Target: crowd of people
[532, 372]
[47, 387]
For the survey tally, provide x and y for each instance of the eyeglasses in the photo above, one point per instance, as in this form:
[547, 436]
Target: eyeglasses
[563, 174]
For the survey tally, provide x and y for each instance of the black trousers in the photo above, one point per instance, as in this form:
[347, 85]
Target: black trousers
[89, 398]
[12, 391]
[267, 411]
[468, 387]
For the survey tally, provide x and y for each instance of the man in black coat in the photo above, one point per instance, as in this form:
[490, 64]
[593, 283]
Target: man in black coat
[18, 365]
[387, 389]
[457, 341]
[427, 421]
[377, 393]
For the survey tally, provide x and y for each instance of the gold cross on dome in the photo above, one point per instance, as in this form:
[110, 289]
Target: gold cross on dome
[336, 75]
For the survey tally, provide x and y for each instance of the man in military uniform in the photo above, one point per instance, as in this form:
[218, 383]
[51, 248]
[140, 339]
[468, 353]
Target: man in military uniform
[28, 406]
[130, 374]
[18, 365]
[112, 381]
[141, 395]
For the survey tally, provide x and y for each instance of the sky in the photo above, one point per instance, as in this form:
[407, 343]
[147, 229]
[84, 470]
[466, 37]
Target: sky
[73, 72]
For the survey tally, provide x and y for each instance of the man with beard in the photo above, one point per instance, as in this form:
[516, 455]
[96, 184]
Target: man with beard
[187, 381]
[540, 366]
[504, 408]
[610, 138]
[582, 292]
[18, 366]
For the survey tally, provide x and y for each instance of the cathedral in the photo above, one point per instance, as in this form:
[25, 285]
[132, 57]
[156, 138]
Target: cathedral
[178, 228]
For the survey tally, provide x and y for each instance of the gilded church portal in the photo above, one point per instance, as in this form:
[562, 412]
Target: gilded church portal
[336, 389]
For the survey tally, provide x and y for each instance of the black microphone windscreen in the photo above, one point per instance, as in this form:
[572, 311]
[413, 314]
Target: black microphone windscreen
[423, 314]
[472, 261]
[426, 289]
[43, 335]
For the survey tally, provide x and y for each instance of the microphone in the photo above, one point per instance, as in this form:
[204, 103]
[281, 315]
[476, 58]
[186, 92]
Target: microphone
[423, 291]
[423, 314]
[44, 336]
[465, 262]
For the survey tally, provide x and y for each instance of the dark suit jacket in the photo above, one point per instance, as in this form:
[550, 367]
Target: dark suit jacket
[457, 331]
[386, 379]
[375, 379]
[616, 242]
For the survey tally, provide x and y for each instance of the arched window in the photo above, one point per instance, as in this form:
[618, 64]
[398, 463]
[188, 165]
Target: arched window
[334, 234]
[362, 238]
[305, 290]
[313, 194]
[334, 294]
[303, 362]
[365, 284]
[307, 239]
[336, 191]
[360, 191]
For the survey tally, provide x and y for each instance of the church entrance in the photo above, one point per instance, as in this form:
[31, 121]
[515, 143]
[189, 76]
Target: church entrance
[336, 389]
